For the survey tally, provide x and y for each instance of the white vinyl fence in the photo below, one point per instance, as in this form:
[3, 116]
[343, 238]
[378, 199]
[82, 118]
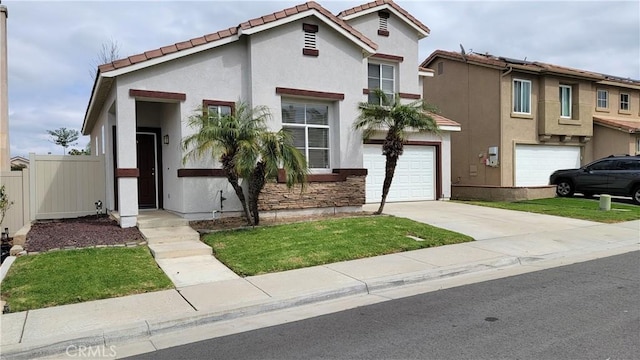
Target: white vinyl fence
[16, 186]
[54, 187]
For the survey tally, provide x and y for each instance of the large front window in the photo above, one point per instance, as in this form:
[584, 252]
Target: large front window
[309, 125]
[522, 96]
[565, 101]
[381, 77]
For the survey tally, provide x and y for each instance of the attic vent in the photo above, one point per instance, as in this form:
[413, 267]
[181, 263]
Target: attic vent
[383, 30]
[440, 68]
[310, 45]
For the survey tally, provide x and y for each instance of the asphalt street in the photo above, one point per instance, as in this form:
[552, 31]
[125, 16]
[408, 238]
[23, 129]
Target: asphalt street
[588, 310]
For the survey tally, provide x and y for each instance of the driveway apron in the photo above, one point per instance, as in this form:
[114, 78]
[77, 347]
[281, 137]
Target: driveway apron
[479, 222]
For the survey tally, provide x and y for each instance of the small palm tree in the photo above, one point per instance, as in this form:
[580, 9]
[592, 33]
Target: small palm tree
[261, 162]
[396, 119]
[222, 137]
[246, 149]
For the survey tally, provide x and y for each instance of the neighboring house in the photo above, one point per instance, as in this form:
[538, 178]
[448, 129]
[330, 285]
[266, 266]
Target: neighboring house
[522, 120]
[19, 162]
[299, 62]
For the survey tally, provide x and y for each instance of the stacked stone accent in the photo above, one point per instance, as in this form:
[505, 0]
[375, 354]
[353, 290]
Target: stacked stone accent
[276, 196]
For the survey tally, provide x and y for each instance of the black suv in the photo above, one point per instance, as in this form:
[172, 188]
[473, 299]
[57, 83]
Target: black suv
[613, 175]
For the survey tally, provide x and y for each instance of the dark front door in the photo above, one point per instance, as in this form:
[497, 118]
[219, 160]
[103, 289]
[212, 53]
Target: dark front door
[146, 149]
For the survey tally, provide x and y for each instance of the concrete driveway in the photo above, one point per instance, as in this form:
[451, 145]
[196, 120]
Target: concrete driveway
[479, 222]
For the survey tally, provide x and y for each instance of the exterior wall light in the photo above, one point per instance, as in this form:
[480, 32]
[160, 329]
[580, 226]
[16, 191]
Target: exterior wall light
[165, 139]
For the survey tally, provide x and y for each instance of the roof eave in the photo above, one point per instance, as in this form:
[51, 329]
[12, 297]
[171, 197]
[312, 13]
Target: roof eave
[450, 128]
[88, 112]
[624, 128]
[369, 50]
[619, 84]
[421, 32]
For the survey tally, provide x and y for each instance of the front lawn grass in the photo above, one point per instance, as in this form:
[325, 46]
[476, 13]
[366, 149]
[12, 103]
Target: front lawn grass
[291, 246]
[73, 276]
[584, 209]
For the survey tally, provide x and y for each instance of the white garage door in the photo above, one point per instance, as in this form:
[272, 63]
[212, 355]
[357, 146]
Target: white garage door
[535, 163]
[414, 179]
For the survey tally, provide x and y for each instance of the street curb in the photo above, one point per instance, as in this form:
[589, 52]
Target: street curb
[144, 329]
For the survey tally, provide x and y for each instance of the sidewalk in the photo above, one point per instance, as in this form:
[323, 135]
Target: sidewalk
[141, 318]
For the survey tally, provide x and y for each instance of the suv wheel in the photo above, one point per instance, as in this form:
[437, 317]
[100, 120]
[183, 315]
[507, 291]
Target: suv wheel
[564, 188]
[636, 195]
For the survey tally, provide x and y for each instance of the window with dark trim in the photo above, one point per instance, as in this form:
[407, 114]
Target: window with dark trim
[218, 108]
[310, 41]
[381, 76]
[308, 123]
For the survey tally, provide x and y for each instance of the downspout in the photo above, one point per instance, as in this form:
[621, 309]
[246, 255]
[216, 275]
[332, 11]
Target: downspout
[508, 71]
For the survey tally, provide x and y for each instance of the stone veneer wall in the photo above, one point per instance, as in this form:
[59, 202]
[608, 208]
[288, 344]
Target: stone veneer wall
[350, 192]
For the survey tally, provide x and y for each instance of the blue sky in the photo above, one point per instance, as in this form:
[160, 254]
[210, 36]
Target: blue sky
[52, 45]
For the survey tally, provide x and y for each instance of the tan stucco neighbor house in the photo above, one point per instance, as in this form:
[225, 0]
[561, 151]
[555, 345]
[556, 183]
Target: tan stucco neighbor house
[299, 61]
[521, 120]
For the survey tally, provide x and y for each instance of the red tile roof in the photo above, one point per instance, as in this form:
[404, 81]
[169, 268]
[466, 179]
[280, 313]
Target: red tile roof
[377, 3]
[443, 121]
[619, 124]
[311, 5]
[532, 66]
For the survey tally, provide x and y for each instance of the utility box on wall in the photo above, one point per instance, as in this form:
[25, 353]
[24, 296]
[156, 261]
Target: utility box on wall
[492, 158]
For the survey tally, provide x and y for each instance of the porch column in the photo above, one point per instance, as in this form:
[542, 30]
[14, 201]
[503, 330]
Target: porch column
[126, 169]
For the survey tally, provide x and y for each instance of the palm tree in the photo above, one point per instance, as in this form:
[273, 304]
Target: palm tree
[261, 162]
[246, 149]
[222, 137]
[396, 119]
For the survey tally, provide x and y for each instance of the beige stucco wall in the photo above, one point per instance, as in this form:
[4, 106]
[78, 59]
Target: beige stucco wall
[516, 128]
[607, 141]
[582, 105]
[470, 96]
[614, 102]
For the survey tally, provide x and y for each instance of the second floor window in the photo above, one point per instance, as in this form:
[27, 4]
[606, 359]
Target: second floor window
[624, 102]
[602, 99]
[565, 101]
[521, 96]
[381, 77]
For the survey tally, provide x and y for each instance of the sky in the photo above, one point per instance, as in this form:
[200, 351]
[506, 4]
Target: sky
[53, 45]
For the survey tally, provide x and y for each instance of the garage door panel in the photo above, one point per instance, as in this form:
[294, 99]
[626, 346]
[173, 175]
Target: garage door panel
[414, 177]
[535, 163]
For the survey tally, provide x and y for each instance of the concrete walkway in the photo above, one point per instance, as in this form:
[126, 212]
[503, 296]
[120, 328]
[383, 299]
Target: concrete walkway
[146, 322]
[178, 250]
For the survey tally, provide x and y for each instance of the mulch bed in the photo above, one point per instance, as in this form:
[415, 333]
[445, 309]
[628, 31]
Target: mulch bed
[91, 231]
[78, 233]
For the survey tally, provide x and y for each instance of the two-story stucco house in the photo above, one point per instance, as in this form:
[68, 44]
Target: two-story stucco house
[299, 61]
[522, 120]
